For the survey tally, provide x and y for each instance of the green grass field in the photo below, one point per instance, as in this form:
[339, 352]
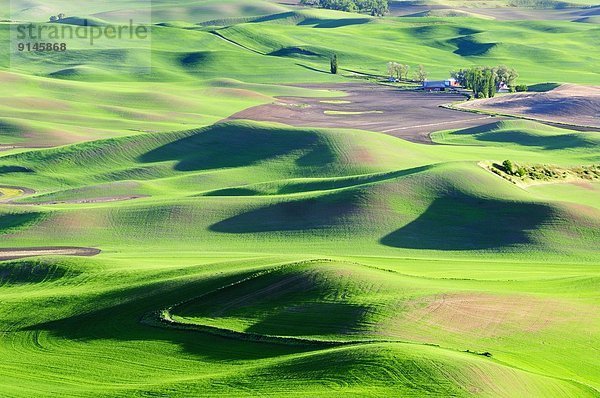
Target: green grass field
[243, 258]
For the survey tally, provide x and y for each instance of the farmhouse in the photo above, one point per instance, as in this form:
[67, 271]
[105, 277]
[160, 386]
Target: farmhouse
[503, 88]
[440, 85]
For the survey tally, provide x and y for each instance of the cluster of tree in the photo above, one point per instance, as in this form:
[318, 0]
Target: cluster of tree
[374, 7]
[400, 71]
[486, 81]
[58, 17]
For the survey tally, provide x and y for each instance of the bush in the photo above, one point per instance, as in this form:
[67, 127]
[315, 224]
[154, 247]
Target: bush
[521, 88]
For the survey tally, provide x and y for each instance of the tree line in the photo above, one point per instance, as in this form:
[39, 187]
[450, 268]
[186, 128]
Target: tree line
[374, 7]
[485, 81]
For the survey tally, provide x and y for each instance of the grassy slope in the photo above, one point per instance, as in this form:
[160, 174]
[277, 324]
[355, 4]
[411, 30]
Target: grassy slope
[427, 253]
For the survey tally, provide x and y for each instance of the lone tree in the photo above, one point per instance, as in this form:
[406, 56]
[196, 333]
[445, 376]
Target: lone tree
[53, 18]
[334, 64]
[491, 85]
[508, 167]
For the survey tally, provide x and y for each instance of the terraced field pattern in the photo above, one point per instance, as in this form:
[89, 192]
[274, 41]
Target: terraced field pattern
[238, 221]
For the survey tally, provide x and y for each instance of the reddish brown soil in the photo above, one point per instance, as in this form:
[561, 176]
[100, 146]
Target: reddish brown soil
[568, 104]
[409, 115]
[408, 8]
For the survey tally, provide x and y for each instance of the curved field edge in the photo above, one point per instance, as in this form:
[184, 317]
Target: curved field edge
[165, 318]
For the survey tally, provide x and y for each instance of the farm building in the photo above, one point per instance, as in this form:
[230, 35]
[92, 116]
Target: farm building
[440, 85]
[503, 88]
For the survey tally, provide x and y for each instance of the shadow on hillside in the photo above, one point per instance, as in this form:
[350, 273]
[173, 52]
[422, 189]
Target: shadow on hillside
[306, 319]
[314, 69]
[468, 47]
[14, 169]
[290, 187]
[494, 132]
[553, 142]
[14, 221]
[236, 145]
[289, 302]
[195, 59]
[293, 52]
[23, 272]
[436, 30]
[121, 312]
[321, 212]
[468, 223]
[335, 23]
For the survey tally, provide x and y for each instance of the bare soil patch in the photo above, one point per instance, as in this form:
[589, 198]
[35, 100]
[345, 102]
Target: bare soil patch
[568, 104]
[15, 253]
[488, 315]
[409, 115]
[410, 8]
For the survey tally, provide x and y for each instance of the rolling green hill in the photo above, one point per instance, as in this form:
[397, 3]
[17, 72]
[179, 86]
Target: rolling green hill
[245, 258]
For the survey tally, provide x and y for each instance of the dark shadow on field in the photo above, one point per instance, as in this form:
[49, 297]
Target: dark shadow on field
[293, 52]
[555, 142]
[486, 133]
[237, 145]
[195, 59]
[468, 47]
[307, 319]
[288, 302]
[313, 69]
[320, 212]
[437, 30]
[14, 169]
[21, 272]
[274, 17]
[462, 222]
[335, 23]
[542, 87]
[320, 185]
[565, 106]
[14, 221]
[120, 313]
